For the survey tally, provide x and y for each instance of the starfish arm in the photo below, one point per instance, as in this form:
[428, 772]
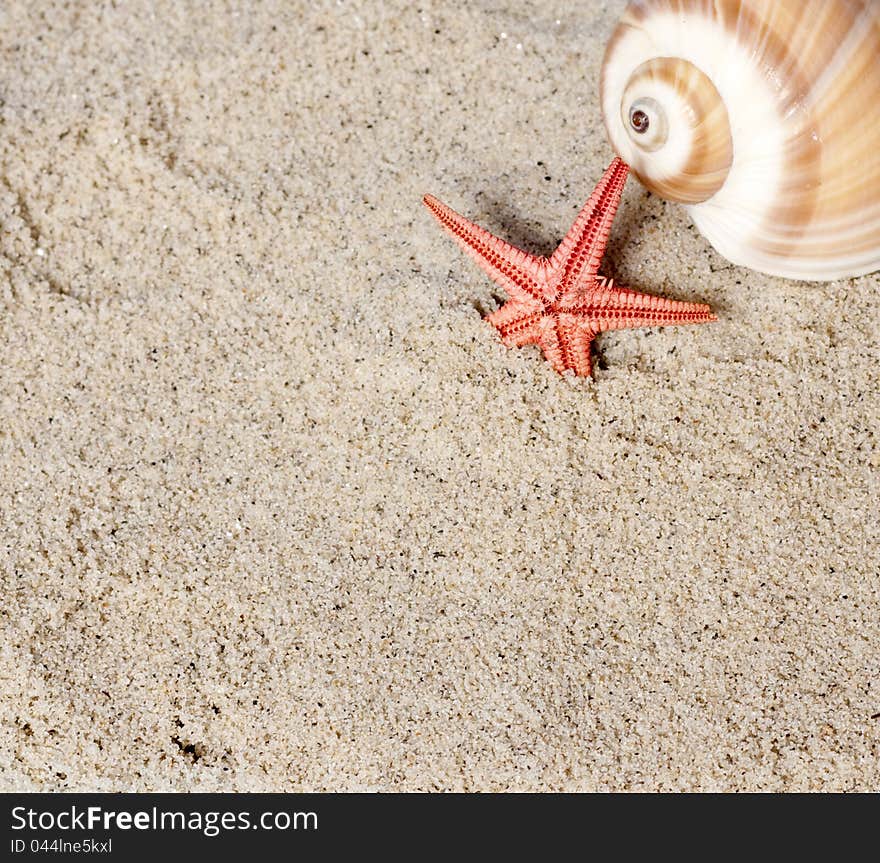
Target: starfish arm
[582, 345]
[622, 308]
[518, 322]
[518, 272]
[576, 261]
[566, 341]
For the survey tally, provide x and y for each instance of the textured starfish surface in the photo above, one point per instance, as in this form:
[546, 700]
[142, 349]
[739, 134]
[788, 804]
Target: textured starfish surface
[560, 302]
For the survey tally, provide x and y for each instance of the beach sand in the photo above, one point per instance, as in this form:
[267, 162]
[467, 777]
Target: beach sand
[280, 512]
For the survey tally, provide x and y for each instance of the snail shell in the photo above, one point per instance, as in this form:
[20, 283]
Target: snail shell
[762, 117]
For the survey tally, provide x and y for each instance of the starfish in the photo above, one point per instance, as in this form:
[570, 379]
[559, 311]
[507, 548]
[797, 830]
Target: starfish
[561, 303]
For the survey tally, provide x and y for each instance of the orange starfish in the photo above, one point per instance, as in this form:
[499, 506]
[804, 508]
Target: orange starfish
[560, 303]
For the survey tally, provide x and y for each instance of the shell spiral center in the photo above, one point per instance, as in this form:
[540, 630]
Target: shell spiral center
[673, 129]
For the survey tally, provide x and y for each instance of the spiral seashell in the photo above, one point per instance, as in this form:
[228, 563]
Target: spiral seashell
[762, 117]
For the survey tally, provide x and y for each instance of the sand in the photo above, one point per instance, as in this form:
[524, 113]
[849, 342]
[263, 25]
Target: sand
[279, 511]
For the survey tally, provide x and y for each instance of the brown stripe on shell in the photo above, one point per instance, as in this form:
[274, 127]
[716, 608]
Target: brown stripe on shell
[832, 174]
[768, 28]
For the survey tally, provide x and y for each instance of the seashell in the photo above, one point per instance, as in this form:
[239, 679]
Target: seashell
[762, 117]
